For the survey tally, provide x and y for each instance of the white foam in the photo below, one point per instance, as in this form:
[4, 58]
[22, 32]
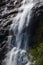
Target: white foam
[18, 56]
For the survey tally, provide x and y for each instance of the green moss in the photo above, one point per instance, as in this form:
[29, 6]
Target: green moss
[37, 54]
[37, 50]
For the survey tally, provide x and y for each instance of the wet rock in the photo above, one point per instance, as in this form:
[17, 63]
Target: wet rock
[8, 10]
[37, 14]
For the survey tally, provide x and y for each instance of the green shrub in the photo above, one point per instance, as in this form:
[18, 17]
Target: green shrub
[37, 54]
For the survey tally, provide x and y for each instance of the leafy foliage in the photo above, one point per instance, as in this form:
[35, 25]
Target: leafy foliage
[37, 54]
[37, 50]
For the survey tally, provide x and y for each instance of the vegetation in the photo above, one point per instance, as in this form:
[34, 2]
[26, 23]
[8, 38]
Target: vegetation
[37, 50]
[37, 54]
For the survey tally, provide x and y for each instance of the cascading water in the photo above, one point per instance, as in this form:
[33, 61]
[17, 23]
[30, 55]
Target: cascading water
[19, 40]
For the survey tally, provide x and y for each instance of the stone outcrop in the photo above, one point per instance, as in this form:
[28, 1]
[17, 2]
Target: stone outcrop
[36, 16]
[8, 10]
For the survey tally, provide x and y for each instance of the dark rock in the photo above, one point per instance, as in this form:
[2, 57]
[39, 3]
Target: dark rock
[7, 12]
[37, 14]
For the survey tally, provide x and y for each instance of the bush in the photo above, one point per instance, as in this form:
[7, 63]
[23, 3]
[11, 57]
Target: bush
[37, 54]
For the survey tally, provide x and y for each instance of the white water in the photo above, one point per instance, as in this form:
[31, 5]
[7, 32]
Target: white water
[18, 55]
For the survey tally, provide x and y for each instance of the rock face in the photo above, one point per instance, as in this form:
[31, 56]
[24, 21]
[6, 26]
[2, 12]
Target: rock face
[37, 14]
[8, 10]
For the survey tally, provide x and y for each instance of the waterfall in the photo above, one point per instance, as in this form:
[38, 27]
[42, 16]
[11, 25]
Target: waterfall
[19, 40]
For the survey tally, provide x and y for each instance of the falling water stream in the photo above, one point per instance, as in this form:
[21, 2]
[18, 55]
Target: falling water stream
[17, 55]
